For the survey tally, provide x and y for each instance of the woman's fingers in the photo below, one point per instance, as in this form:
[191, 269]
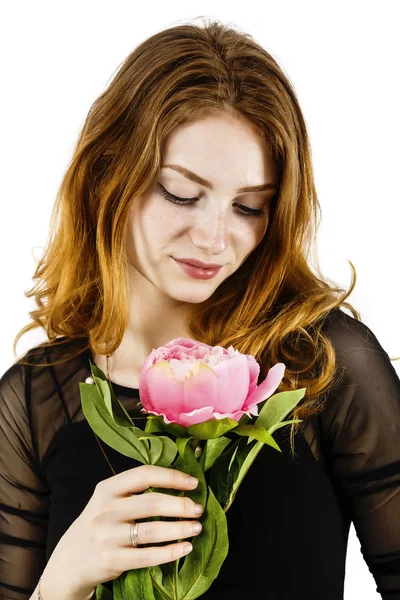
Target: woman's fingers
[154, 532]
[139, 479]
[149, 557]
[156, 504]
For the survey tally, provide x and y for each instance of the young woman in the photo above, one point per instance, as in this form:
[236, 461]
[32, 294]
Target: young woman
[197, 152]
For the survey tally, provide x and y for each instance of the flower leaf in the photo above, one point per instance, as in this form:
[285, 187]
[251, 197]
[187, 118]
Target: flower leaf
[118, 588]
[283, 423]
[213, 428]
[259, 433]
[277, 407]
[162, 449]
[181, 443]
[123, 439]
[114, 407]
[241, 463]
[212, 450]
[103, 593]
[172, 428]
[137, 584]
[210, 548]
[153, 425]
[188, 464]
[219, 473]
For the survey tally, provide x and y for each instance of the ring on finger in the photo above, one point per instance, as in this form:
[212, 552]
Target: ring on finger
[133, 534]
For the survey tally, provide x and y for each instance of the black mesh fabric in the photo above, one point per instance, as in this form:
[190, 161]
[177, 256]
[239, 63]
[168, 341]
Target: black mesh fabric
[288, 526]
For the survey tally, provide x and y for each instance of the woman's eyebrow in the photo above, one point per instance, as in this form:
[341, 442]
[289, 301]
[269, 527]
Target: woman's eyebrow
[197, 179]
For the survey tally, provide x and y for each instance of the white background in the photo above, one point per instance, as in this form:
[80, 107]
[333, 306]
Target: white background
[343, 60]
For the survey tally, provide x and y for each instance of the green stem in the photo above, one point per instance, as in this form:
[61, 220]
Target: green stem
[176, 578]
[248, 462]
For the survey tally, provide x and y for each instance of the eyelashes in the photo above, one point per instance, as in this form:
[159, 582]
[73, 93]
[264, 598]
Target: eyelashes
[244, 210]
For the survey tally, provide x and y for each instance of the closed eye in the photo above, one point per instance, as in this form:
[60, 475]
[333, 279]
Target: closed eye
[246, 211]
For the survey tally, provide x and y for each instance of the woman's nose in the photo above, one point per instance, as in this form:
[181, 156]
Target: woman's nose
[211, 234]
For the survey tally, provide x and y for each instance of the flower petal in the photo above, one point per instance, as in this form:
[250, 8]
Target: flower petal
[186, 343]
[200, 388]
[233, 383]
[254, 370]
[267, 387]
[160, 390]
[199, 415]
[181, 368]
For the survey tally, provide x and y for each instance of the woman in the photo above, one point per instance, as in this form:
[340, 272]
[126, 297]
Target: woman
[197, 151]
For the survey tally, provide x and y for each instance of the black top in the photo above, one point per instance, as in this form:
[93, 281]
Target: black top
[288, 526]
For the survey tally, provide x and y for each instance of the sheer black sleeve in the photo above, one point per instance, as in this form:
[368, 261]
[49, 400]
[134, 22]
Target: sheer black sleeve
[361, 433]
[23, 493]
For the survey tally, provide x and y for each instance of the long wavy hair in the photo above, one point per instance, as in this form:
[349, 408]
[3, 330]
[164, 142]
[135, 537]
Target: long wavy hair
[274, 305]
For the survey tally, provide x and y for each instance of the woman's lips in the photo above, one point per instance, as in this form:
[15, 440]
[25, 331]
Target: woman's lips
[197, 272]
[198, 263]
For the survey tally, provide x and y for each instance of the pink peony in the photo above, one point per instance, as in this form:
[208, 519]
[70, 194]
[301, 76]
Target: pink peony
[188, 382]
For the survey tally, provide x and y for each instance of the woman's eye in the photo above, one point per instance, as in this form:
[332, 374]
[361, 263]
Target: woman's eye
[246, 211]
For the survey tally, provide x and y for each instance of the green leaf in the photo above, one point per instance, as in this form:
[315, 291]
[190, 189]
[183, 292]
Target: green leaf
[115, 409]
[105, 391]
[103, 593]
[162, 449]
[219, 473]
[212, 428]
[187, 464]
[155, 423]
[277, 407]
[181, 444]
[210, 549]
[122, 439]
[118, 588]
[161, 579]
[259, 433]
[283, 424]
[138, 585]
[212, 450]
[241, 463]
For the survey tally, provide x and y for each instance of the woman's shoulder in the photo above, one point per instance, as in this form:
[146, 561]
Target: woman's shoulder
[34, 371]
[349, 335]
[338, 320]
[367, 388]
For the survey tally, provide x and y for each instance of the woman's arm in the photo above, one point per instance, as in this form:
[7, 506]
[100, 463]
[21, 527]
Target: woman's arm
[361, 436]
[24, 494]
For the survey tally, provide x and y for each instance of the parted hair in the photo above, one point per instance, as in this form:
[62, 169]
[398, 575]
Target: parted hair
[274, 305]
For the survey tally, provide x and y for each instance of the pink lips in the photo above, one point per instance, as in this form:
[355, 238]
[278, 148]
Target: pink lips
[199, 263]
[197, 272]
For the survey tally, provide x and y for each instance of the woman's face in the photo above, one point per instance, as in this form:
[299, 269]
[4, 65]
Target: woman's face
[214, 227]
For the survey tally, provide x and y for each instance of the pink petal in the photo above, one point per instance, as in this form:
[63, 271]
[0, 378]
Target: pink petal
[253, 410]
[201, 389]
[187, 343]
[236, 416]
[167, 392]
[233, 383]
[254, 370]
[268, 386]
[199, 415]
[181, 368]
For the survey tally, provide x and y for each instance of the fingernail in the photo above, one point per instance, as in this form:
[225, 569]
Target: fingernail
[199, 509]
[196, 527]
[187, 547]
[192, 480]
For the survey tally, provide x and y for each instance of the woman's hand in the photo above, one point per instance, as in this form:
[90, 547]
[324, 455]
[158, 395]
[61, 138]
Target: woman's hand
[96, 548]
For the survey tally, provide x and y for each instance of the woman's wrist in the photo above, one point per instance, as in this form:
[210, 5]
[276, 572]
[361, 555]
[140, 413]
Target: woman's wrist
[47, 590]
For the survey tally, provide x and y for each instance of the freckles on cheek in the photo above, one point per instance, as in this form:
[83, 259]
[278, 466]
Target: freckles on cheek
[248, 236]
[160, 225]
